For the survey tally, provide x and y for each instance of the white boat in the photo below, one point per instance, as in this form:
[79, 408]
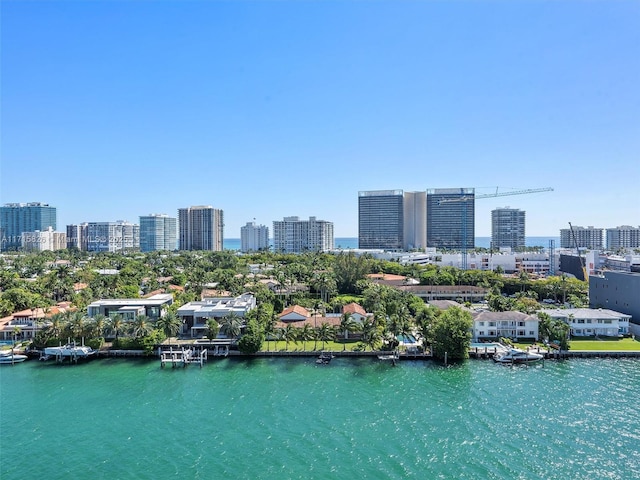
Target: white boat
[8, 357]
[70, 350]
[516, 355]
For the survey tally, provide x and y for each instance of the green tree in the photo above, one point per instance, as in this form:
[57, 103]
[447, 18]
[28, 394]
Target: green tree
[213, 327]
[371, 334]
[169, 323]
[251, 340]
[326, 333]
[231, 325]
[306, 333]
[116, 325]
[452, 334]
[142, 326]
[347, 324]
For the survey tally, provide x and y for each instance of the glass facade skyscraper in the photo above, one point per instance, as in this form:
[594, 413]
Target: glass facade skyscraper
[157, 232]
[451, 218]
[381, 220]
[18, 218]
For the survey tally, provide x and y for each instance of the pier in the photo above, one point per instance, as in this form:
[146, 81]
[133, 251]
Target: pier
[182, 357]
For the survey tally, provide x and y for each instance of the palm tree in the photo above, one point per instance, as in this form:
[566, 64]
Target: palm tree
[98, 326]
[305, 334]
[370, 334]
[141, 326]
[116, 324]
[170, 324]
[326, 333]
[288, 334]
[213, 327]
[347, 324]
[231, 325]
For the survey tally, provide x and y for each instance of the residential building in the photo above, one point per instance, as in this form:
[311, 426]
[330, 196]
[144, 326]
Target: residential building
[623, 237]
[451, 218]
[507, 228]
[381, 219]
[201, 228]
[414, 221]
[112, 236]
[157, 232]
[293, 235]
[515, 325]
[130, 308]
[26, 324]
[77, 236]
[194, 315]
[586, 238]
[18, 218]
[618, 291]
[589, 322]
[44, 240]
[254, 238]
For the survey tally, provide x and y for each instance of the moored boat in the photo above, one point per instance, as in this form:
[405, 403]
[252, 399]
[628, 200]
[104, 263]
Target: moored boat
[9, 357]
[70, 350]
[516, 355]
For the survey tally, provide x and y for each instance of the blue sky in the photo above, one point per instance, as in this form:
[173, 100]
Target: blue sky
[267, 109]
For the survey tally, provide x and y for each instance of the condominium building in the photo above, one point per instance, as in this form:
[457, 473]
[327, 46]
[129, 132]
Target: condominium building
[111, 236]
[381, 219]
[415, 220]
[451, 218]
[293, 235]
[589, 238]
[254, 238]
[201, 228]
[40, 241]
[157, 232]
[622, 237]
[18, 218]
[507, 228]
[77, 236]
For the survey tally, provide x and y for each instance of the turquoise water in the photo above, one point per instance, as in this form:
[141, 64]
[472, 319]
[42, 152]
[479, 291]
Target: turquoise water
[291, 418]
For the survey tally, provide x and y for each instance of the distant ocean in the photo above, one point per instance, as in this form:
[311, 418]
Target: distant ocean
[348, 243]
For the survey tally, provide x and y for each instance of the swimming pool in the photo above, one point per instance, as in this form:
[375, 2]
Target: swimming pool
[407, 339]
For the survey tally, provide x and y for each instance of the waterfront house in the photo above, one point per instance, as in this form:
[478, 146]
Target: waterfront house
[194, 315]
[514, 325]
[130, 308]
[589, 322]
[25, 324]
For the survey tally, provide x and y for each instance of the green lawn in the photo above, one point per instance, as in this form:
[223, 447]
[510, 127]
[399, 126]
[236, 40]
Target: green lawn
[625, 344]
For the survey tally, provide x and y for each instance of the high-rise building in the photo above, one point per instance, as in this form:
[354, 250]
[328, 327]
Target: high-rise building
[293, 235]
[590, 238]
[157, 232]
[451, 218]
[111, 236]
[18, 218]
[507, 228]
[254, 238]
[201, 228]
[40, 241]
[381, 219]
[77, 236]
[415, 220]
[622, 237]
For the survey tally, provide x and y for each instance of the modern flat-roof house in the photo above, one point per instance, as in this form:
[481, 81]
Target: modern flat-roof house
[194, 315]
[514, 325]
[153, 307]
[589, 322]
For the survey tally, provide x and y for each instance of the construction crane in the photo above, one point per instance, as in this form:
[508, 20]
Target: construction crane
[465, 198]
[575, 244]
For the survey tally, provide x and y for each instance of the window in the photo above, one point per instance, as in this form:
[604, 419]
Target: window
[521, 324]
[531, 333]
[492, 324]
[581, 320]
[481, 324]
